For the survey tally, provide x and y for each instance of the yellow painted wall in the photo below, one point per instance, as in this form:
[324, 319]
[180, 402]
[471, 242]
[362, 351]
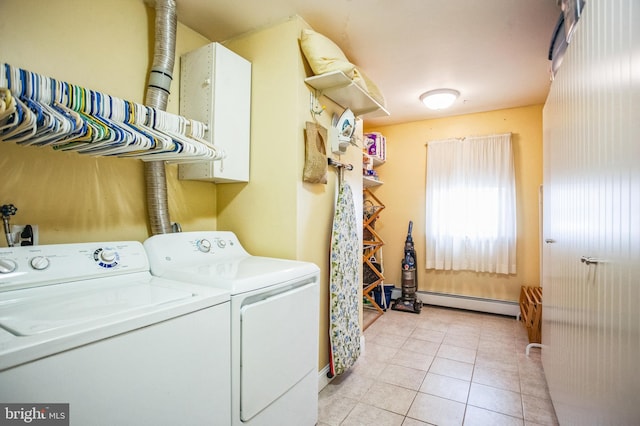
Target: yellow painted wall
[276, 213]
[403, 192]
[104, 45]
[263, 211]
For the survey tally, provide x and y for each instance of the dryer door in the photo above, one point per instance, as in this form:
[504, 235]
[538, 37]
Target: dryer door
[279, 346]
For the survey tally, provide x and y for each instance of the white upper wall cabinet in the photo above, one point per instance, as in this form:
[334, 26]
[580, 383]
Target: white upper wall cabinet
[215, 88]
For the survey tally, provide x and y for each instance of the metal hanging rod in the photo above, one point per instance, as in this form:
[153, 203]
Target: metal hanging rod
[41, 111]
[339, 165]
[341, 168]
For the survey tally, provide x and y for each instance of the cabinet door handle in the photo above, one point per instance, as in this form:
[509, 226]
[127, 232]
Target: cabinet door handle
[589, 260]
[549, 241]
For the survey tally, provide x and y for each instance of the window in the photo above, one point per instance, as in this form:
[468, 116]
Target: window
[471, 205]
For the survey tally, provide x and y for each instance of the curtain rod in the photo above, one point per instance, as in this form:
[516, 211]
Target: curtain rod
[469, 137]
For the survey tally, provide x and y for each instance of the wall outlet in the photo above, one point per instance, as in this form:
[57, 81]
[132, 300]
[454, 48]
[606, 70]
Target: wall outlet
[18, 238]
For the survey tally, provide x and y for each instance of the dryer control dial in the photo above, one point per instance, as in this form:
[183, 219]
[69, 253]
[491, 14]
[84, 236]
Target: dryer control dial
[204, 245]
[7, 266]
[106, 257]
[40, 263]
[221, 243]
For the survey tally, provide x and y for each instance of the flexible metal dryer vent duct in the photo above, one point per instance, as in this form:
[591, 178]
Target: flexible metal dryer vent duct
[158, 90]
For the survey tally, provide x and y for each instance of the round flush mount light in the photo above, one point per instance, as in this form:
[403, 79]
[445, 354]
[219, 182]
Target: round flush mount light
[440, 98]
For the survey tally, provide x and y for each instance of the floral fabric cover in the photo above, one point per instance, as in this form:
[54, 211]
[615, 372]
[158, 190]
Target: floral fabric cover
[344, 324]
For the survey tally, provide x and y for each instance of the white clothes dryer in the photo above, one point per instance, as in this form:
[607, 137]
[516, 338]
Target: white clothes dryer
[89, 326]
[274, 322]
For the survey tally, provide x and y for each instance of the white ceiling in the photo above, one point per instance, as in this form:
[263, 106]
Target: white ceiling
[494, 52]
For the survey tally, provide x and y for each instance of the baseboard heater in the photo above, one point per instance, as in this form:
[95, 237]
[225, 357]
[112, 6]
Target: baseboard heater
[492, 306]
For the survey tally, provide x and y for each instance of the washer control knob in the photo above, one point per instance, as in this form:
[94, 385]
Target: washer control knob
[7, 266]
[221, 243]
[39, 263]
[204, 245]
[108, 256]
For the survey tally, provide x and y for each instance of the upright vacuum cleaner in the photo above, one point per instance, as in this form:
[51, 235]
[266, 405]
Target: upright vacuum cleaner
[408, 302]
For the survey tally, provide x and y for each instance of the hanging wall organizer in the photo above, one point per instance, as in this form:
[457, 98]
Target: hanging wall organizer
[36, 110]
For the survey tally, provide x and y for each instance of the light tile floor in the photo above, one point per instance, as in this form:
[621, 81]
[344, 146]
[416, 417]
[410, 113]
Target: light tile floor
[441, 367]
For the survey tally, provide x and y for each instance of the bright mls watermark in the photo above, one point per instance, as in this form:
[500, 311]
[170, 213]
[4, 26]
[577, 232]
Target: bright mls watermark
[34, 414]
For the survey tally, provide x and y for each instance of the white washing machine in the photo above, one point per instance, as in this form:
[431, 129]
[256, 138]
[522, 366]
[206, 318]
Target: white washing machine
[89, 326]
[274, 322]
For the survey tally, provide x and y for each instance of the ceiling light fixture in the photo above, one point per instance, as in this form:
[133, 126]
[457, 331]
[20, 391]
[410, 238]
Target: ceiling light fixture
[440, 98]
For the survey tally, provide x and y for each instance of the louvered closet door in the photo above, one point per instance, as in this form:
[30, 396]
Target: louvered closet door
[591, 254]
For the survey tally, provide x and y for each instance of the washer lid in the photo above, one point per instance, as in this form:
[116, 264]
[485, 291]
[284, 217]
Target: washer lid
[37, 310]
[41, 321]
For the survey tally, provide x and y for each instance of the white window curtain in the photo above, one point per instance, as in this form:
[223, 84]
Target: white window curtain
[471, 205]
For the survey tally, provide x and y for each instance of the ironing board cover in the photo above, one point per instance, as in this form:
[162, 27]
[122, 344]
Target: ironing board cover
[344, 324]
